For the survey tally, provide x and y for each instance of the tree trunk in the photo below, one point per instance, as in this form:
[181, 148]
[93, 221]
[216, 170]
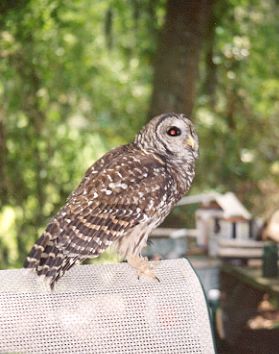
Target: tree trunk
[210, 82]
[177, 58]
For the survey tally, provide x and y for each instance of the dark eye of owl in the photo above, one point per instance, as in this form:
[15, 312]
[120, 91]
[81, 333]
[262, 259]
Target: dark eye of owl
[173, 131]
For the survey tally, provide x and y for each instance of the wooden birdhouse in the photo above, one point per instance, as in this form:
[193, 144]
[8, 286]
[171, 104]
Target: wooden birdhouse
[222, 217]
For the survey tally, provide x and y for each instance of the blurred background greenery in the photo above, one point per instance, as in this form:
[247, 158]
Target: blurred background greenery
[78, 77]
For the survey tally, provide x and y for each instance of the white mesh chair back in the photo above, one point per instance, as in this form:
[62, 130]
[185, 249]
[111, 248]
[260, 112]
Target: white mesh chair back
[105, 309]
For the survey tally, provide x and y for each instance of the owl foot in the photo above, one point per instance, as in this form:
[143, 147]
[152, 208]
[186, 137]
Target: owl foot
[142, 266]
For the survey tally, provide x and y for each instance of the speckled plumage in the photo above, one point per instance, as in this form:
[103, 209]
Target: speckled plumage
[121, 199]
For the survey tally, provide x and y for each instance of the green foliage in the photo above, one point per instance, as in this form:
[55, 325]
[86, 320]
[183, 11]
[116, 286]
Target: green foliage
[69, 94]
[241, 127]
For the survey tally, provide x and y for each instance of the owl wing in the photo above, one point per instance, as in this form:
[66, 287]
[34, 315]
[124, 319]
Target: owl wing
[110, 201]
[121, 190]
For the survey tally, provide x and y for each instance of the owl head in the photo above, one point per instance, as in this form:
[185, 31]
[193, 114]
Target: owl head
[171, 135]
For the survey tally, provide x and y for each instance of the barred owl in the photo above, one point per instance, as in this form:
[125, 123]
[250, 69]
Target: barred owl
[121, 199]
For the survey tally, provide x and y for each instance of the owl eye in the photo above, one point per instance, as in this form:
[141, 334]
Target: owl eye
[173, 131]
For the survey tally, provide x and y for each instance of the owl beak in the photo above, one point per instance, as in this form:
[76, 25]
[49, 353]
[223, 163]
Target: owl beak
[191, 142]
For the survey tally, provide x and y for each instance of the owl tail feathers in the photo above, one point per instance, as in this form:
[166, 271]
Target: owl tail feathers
[48, 261]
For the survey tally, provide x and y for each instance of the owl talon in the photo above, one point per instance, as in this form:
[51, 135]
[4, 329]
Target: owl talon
[142, 266]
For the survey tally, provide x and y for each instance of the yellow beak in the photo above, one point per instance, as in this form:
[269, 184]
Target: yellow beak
[191, 142]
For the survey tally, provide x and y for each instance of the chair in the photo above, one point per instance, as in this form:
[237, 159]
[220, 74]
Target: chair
[105, 309]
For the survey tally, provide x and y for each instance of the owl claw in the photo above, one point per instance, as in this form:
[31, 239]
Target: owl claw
[142, 266]
[158, 280]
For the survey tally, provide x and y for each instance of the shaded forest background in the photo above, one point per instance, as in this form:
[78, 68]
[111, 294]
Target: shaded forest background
[79, 77]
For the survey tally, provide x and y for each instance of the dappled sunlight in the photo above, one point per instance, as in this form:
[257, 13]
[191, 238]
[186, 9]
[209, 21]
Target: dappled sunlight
[8, 245]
